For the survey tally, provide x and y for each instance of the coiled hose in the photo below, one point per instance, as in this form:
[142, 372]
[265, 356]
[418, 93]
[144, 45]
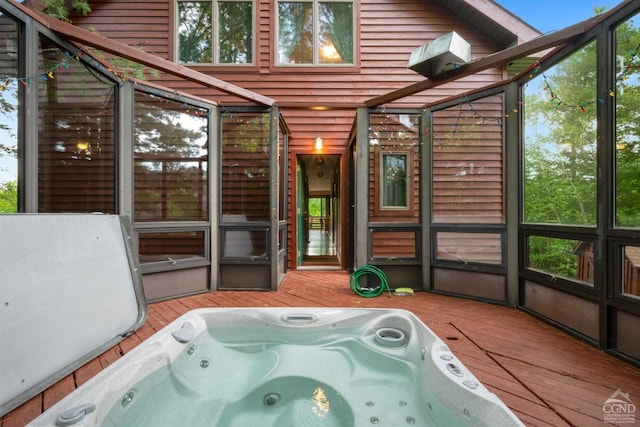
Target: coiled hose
[369, 292]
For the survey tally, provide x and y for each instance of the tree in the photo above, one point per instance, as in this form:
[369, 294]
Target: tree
[61, 9]
[627, 208]
[8, 197]
[560, 143]
[560, 147]
[170, 159]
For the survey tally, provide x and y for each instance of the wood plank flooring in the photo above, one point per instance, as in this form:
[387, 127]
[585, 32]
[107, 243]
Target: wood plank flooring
[545, 376]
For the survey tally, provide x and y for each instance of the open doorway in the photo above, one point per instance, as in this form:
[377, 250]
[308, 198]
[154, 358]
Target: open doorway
[319, 226]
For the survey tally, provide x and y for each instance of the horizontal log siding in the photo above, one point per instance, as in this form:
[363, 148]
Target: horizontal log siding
[389, 30]
[143, 23]
[483, 248]
[76, 144]
[394, 244]
[171, 246]
[388, 135]
[245, 168]
[467, 163]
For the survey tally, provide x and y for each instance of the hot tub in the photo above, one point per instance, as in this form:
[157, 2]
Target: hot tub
[289, 367]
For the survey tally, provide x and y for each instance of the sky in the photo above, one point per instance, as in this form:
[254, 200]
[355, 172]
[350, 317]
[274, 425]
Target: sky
[552, 15]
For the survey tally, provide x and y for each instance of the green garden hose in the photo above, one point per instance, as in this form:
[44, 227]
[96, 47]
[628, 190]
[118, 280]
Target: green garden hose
[369, 292]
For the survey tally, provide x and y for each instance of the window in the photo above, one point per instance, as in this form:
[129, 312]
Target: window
[245, 195]
[394, 244]
[76, 134]
[469, 247]
[631, 271]
[559, 257]
[8, 115]
[468, 162]
[560, 171]
[172, 246]
[394, 181]
[315, 33]
[170, 160]
[627, 142]
[394, 167]
[216, 32]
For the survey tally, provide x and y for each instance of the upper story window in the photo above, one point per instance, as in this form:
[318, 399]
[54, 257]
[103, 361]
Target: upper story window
[216, 32]
[315, 33]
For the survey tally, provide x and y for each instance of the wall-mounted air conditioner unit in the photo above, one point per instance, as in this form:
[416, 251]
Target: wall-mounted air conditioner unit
[445, 53]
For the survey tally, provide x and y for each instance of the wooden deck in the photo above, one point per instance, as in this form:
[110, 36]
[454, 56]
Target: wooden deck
[545, 376]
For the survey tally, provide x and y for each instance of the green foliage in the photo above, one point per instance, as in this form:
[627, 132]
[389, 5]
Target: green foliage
[60, 9]
[554, 256]
[627, 207]
[195, 32]
[560, 148]
[560, 143]
[316, 206]
[8, 197]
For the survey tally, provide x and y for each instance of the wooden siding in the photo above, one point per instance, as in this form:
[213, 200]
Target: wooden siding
[467, 248]
[468, 164]
[394, 244]
[391, 133]
[171, 246]
[76, 169]
[313, 101]
[544, 376]
[389, 31]
[245, 180]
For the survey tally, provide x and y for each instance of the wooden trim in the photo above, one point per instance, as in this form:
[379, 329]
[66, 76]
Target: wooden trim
[407, 211]
[214, 67]
[173, 41]
[294, 153]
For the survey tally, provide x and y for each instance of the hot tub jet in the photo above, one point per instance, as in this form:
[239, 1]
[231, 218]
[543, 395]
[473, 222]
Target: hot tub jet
[271, 399]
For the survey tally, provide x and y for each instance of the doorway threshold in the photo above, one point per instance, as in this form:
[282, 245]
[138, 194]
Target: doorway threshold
[319, 267]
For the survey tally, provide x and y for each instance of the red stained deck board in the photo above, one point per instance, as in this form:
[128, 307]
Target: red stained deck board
[545, 376]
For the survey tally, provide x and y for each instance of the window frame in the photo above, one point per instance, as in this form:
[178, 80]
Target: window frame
[215, 42]
[169, 225]
[186, 105]
[552, 64]
[315, 66]
[382, 175]
[168, 263]
[48, 167]
[394, 211]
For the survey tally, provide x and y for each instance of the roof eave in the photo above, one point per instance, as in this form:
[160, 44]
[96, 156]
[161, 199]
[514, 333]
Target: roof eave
[500, 24]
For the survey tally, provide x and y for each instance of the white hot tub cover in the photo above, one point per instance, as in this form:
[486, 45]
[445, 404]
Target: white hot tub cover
[70, 288]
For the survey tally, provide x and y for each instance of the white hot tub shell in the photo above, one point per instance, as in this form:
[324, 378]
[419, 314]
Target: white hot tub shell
[265, 366]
